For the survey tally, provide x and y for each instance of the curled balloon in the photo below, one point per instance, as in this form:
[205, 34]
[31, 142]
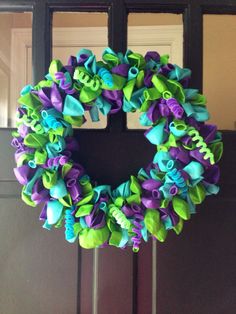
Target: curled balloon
[137, 222]
[175, 108]
[178, 179]
[69, 226]
[178, 128]
[119, 217]
[199, 142]
[106, 76]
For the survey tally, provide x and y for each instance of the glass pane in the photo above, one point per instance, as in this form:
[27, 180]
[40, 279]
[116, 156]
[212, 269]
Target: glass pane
[159, 32]
[75, 30]
[219, 69]
[15, 62]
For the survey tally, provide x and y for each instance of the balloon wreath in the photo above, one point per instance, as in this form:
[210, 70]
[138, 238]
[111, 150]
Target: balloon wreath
[162, 195]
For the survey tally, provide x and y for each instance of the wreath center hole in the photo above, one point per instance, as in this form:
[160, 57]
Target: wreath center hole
[112, 158]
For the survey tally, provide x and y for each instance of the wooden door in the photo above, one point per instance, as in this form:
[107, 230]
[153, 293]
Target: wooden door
[190, 274]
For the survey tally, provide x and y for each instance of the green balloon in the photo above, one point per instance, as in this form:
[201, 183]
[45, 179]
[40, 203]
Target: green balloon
[92, 238]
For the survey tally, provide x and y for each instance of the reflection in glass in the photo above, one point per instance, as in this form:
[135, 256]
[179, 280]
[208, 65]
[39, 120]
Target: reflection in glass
[155, 32]
[15, 62]
[219, 69]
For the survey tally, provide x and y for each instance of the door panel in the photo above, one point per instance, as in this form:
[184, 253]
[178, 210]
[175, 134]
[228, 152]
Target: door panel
[115, 281]
[38, 269]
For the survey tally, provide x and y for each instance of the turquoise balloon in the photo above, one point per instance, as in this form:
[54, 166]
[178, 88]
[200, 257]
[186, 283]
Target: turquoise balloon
[83, 223]
[106, 76]
[53, 112]
[179, 73]
[194, 169]
[83, 51]
[144, 120]
[124, 239]
[47, 226]
[103, 206]
[103, 105]
[156, 135]
[94, 114]
[133, 72]
[122, 190]
[54, 148]
[144, 232]
[125, 57]
[192, 206]
[31, 183]
[162, 158]
[196, 181]
[165, 189]
[54, 211]
[104, 189]
[168, 223]
[154, 174]
[151, 64]
[90, 64]
[26, 89]
[108, 50]
[212, 189]
[175, 131]
[200, 113]
[59, 190]
[143, 173]
[190, 93]
[135, 101]
[72, 107]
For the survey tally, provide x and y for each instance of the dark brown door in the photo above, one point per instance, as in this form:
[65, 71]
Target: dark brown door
[194, 273]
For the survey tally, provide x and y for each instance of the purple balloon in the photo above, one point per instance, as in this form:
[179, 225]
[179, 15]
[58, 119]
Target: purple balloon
[165, 70]
[150, 202]
[72, 61]
[44, 96]
[200, 157]
[39, 193]
[56, 98]
[181, 154]
[24, 174]
[43, 214]
[168, 212]
[121, 69]
[208, 132]
[151, 184]
[164, 109]
[212, 174]
[82, 59]
[96, 219]
[148, 78]
[152, 55]
[153, 113]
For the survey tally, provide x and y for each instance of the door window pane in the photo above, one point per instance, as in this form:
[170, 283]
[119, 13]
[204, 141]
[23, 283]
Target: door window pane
[75, 30]
[159, 32]
[15, 62]
[219, 69]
